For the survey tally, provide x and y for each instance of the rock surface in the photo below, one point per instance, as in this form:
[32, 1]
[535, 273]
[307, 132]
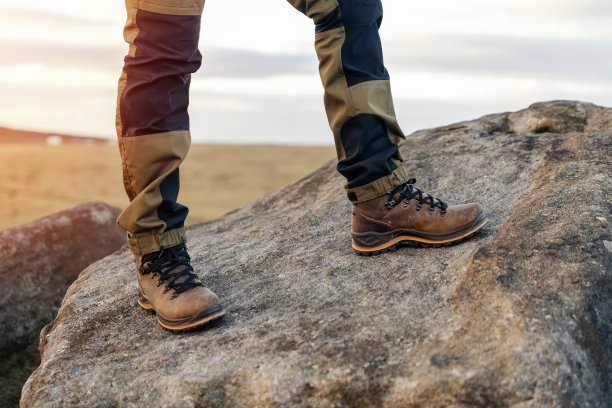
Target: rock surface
[38, 261]
[520, 315]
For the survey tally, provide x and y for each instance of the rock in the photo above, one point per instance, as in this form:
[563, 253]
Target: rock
[38, 261]
[520, 315]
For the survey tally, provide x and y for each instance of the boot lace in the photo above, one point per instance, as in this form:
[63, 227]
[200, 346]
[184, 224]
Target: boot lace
[408, 192]
[172, 266]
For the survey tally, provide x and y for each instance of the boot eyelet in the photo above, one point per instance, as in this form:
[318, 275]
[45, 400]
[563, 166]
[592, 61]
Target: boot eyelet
[430, 210]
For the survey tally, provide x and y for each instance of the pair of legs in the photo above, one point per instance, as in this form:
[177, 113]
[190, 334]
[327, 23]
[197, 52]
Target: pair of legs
[153, 125]
[153, 131]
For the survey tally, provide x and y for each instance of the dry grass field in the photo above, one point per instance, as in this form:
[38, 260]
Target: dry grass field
[36, 180]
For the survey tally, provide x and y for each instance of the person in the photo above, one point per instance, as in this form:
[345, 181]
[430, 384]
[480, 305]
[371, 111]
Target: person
[153, 132]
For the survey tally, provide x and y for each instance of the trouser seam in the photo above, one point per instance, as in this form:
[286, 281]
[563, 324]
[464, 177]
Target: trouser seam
[125, 166]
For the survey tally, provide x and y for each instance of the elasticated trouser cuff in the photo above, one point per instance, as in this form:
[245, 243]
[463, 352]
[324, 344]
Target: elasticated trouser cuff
[143, 243]
[379, 187]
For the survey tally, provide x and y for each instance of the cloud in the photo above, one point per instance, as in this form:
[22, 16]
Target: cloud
[253, 64]
[583, 9]
[575, 59]
[217, 62]
[97, 58]
[36, 18]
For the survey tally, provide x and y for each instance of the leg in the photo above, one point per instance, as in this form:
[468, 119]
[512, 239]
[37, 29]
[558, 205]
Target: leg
[152, 119]
[153, 131]
[357, 97]
[360, 111]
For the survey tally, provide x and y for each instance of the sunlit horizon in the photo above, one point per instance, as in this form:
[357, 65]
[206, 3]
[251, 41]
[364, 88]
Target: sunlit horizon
[449, 61]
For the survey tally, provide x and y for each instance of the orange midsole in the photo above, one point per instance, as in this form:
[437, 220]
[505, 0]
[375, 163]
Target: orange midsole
[145, 306]
[418, 239]
[186, 326]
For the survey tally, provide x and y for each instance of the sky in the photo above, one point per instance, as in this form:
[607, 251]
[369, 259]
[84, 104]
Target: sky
[449, 61]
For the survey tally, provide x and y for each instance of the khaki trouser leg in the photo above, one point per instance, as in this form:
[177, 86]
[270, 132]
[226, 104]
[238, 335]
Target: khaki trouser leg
[152, 121]
[358, 98]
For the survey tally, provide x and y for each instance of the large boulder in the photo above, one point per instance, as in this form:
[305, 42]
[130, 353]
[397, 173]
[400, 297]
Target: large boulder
[38, 261]
[520, 315]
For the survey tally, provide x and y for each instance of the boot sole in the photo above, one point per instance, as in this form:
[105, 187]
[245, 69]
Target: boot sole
[189, 323]
[373, 243]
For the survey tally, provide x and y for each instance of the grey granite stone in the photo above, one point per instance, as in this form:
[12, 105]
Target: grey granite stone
[520, 315]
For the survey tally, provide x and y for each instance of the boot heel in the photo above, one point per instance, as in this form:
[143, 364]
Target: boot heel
[364, 252]
[373, 243]
[144, 303]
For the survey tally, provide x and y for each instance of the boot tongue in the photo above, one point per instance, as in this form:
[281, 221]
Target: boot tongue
[393, 199]
[175, 269]
[397, 197]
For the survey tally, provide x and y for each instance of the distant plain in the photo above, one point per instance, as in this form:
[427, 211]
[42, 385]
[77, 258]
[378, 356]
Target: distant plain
[37, 179]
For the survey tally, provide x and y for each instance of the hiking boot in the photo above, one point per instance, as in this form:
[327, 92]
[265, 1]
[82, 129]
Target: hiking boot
[406, 214]
[168, 286]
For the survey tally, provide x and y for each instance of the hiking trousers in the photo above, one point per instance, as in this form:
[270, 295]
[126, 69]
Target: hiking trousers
[153, 124]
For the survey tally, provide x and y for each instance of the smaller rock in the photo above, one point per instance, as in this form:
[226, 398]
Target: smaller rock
[38, 261]
[608, 245]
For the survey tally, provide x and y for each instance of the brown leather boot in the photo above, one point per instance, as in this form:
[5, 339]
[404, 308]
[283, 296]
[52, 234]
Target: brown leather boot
[406, 214]
[168, 286]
